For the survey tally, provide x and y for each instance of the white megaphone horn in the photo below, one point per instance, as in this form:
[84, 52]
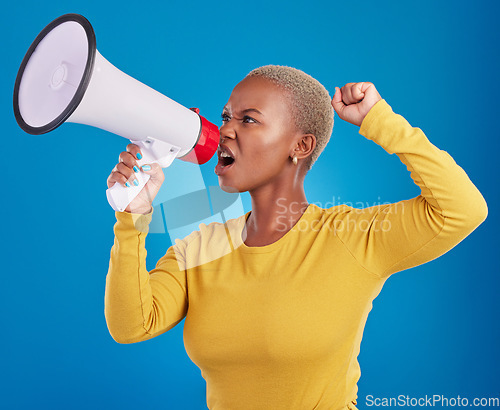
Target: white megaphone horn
[64, 78]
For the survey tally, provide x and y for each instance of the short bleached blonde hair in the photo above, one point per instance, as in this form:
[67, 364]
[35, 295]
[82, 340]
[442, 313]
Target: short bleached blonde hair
[310, 103]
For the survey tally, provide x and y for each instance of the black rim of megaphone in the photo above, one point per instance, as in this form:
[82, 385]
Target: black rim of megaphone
[87, 74]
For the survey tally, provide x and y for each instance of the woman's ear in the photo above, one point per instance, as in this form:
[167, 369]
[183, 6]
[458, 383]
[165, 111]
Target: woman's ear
[305, 146]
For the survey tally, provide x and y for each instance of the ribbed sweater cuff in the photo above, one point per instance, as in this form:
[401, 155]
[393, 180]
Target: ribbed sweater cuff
[139, 222]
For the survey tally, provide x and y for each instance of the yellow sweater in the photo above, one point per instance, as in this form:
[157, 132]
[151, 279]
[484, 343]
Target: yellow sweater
[280, 326]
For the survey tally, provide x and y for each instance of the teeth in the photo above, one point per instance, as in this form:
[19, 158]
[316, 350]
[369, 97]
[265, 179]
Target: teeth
[225, 155]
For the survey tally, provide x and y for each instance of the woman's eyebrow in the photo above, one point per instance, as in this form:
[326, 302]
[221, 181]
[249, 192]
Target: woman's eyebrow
[245, 111]
[252, 110]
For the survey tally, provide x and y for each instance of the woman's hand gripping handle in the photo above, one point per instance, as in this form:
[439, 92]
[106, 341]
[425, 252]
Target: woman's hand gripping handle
[134, 181]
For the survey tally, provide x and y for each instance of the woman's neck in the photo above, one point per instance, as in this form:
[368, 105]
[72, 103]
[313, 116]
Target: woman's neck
[275, 210]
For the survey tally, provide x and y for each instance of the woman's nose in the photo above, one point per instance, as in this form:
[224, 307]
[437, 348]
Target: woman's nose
[227, 131]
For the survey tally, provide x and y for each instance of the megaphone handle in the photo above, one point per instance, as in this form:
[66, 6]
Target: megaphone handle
[119, 197]
[153, 151]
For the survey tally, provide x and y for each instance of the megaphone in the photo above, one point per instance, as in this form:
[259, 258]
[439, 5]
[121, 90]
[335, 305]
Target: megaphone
[63, 78]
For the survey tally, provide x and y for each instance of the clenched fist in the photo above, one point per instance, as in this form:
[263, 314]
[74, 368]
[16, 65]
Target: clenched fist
[353, 101]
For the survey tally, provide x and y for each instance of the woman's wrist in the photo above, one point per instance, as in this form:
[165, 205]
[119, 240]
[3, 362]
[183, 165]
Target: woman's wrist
[141, 211]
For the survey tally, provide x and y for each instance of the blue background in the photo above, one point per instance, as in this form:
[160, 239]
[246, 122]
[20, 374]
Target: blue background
[433, 329]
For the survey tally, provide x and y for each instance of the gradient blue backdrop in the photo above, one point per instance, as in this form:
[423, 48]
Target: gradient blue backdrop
[433, 329]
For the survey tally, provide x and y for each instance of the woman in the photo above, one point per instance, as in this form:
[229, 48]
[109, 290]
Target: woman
[276, 301]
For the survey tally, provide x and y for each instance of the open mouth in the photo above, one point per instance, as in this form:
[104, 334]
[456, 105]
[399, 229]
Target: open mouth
[226, 160]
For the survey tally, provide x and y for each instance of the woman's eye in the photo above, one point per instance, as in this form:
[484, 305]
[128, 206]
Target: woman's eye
[248, 119]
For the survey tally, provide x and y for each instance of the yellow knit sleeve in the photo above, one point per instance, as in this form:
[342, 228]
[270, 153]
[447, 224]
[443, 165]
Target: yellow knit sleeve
[139, 304]
[389, 238]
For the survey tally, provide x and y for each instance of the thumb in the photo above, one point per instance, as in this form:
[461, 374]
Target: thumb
[155, 171]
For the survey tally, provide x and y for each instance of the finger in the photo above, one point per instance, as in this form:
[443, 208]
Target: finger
[348, 96]
[150, 168]
[358, 92]
[124, 174]
[128, 159]
[365, 86]
[337, 103]
[134, 150]
[117, 177]
[155, 171]
[126, 171]
[346, 93]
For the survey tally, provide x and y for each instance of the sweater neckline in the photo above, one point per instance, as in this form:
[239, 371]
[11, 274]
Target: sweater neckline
[237, 233]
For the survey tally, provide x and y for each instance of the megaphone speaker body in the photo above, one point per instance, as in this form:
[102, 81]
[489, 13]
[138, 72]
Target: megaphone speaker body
[63, 78]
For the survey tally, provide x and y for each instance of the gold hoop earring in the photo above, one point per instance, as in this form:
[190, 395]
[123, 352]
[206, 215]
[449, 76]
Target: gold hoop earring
[294, 160]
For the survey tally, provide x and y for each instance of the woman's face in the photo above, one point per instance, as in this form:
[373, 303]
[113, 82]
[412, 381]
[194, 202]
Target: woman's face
[258, 132]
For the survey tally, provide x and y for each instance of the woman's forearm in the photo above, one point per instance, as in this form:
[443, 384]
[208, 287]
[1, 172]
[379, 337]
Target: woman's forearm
[411, 232]
[139, 304]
